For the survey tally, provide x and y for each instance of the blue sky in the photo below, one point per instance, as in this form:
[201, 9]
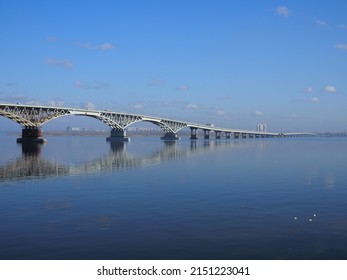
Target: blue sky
[231, 63]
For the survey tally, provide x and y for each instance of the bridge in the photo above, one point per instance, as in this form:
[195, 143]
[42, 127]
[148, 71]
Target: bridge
[32, 118]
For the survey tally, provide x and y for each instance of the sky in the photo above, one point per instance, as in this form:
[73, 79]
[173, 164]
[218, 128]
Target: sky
[232, 63]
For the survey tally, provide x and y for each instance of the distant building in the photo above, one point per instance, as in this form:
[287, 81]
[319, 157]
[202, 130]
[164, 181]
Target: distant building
[70, 128]
[261, 127]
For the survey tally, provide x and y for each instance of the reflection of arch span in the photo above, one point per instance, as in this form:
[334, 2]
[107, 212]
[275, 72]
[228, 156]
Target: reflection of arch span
[32, 166]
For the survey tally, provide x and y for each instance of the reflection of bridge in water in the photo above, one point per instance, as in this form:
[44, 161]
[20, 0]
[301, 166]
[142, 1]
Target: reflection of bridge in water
[31, 118]
[31, 165]
[119, 158]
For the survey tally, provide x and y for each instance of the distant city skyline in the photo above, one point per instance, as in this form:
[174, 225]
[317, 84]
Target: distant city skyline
[232, 63]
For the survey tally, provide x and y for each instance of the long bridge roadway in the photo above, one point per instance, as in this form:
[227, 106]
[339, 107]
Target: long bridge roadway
[32, 118]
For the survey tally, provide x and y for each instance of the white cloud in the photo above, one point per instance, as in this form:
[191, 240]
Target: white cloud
[282, 11]
[321, 23]
[106, 46]
[59, 63]
[310, 100]
[33, 102]
[88, 106]
[259, 113]
[183, 88]
[313, 99]
[308, 89]
[21, 99]
[103, 47]
[343, 26]
[56, 103]
[138, 106]
[95, 85]
[78, 84]
[329, 89]
[192, 106]
[341, 46]
[220, 112]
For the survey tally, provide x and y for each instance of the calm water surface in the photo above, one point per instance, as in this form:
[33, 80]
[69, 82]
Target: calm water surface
[85, 198]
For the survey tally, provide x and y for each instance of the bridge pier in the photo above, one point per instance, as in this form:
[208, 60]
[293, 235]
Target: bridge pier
[227, 135]
[170, 136]
[194, 133]
[31, 135]
[206, 134]
[118, 135]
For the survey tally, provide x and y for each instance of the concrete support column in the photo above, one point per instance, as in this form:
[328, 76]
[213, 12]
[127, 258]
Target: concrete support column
[227, 135]
[250, 135]
[218, 133]
[31, 135]
[170, 136]
[194, 133]
[244, 135]
[236, 135]
[119, 135]
[206, 134]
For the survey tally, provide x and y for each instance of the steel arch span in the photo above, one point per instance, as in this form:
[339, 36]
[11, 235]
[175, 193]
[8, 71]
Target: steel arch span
[32, 116]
